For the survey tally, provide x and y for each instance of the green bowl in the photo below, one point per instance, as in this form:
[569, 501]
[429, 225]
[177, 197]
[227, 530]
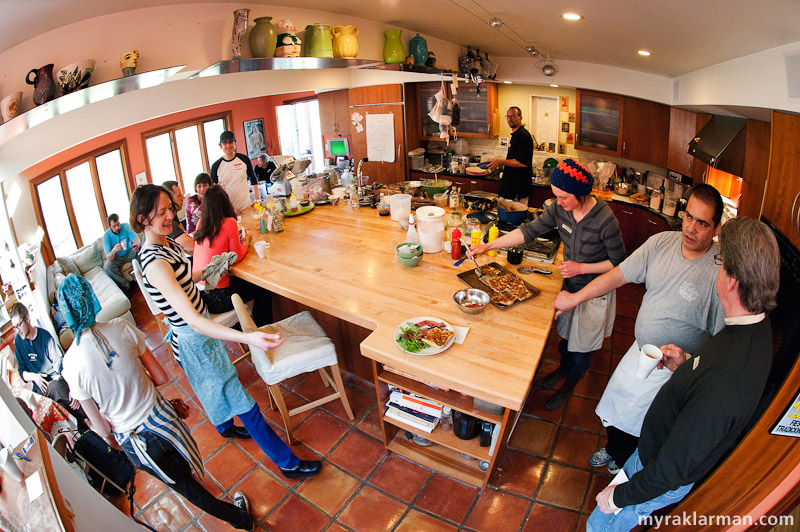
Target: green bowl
[432, 187]
[409, 263]
[412, 255]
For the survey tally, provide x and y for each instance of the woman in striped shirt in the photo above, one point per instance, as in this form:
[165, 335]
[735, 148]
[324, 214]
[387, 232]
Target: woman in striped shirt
[169, 280]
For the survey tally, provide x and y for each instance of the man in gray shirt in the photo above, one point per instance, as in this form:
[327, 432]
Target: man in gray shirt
[680, 307]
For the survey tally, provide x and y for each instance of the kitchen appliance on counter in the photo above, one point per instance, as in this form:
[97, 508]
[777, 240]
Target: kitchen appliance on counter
[459, 163]
[288, 168]
[543, 249]
[439, 156]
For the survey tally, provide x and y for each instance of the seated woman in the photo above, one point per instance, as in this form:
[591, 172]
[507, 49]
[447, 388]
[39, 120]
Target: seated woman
[193, 203]
[216, 234]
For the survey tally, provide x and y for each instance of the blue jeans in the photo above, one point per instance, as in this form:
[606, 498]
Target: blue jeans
[272, 445]
[629, 516]
[574, 364]
[114, 268]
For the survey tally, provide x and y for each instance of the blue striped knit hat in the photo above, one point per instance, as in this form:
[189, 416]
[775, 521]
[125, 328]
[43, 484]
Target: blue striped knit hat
[572, 177]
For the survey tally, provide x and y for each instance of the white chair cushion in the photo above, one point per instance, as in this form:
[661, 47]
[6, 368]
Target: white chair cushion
[228, 319]
[306, 349]
[113, 301]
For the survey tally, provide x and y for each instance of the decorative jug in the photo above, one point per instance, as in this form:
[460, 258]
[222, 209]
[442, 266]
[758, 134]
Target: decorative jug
[318, 41]
[345, 41]
[418, 47]
[43, 85]
[263, 38]
[239, 28]
[393, 50]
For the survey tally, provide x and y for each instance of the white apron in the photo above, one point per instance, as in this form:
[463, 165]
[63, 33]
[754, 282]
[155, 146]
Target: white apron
[585, 326]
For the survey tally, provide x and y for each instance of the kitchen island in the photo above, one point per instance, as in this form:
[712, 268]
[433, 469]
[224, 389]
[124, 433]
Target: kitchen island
[340, 261]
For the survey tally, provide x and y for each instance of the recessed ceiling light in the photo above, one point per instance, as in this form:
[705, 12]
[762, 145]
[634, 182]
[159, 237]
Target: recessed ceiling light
[507, 82]
[644, 53]
[554, 84]
[571, 16]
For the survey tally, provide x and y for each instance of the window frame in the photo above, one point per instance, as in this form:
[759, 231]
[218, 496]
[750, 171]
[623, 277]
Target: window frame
[170, 130]
[60, 172]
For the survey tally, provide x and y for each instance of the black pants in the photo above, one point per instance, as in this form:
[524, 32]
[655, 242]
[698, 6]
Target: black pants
[58, 391]
[620, 445]
[219, 299]
[178, 469]
[574, 364]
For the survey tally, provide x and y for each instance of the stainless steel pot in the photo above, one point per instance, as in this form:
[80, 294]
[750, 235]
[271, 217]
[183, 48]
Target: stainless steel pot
[462, 161]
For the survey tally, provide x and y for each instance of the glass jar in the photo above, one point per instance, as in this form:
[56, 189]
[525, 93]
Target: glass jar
[472, 224]
[456, 220]
[277, 221]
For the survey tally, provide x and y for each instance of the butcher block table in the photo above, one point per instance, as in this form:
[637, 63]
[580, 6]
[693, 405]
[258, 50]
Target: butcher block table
[341, 261]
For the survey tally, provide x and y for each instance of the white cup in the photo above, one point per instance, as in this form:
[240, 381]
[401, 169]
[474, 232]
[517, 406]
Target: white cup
[124, 244]
[8, 464]
[649, 357]
[261, 248]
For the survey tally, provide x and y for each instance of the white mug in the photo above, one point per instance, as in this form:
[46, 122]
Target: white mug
[261, 248]
[649, 357]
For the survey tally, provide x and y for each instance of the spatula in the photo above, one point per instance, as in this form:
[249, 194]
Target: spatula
[481, 275]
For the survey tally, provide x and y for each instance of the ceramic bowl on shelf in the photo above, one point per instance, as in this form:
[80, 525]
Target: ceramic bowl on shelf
[75, 76]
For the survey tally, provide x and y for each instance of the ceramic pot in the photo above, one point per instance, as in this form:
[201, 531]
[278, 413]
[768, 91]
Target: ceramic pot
[43, 85]
[393, 50]
[418, 47]
[239, 29]
[263, 38]
[9, 106]
[75, 76]
[318, 41]
[345, 41]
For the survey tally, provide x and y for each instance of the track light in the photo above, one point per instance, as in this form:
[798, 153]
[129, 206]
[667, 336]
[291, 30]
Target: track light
[495, 23]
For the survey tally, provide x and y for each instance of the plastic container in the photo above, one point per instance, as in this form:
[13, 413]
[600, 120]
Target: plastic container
[400, 206]
[411, 234]
[417, 162]
[430, 226]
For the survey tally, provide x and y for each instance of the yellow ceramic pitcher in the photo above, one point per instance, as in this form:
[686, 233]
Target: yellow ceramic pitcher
[345, 42]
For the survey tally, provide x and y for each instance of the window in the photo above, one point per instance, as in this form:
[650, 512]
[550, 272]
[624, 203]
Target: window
[300, 133]
[180, 152]
[545, 119]
[73, 202]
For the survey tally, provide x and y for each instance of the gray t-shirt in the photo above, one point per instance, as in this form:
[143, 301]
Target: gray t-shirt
[681, 305]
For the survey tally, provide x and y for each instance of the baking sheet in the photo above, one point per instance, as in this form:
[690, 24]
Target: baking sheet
[471, 279]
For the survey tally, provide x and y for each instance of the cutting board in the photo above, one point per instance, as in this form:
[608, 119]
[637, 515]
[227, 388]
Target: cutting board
[471, 279]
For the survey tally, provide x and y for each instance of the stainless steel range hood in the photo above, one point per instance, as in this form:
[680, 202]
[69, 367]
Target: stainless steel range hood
[721, 144]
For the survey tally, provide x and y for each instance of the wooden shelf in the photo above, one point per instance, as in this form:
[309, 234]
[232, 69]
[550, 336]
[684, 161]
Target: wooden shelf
[455, 400]
[439, 458]
[447, 439]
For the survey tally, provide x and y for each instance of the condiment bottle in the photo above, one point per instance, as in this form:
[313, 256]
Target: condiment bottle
[293, 203]
[455, 238]
[262, 222]
[446, 421]
[411, 234]
[494, 232]
[475, 237]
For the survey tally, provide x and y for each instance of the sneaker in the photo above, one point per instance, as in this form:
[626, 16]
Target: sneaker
[551, 380]
[240, 501]
[613, 468]
[600, 458]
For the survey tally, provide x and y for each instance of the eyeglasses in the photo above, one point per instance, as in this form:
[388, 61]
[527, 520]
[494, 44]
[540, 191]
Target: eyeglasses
[18, 326]
[718, 259]
[513, 116]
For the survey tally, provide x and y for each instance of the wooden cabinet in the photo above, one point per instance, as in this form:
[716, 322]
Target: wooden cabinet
[782, 199]
[334, 112]
[649, 225]
[479, 114]
[756, 164]
[539, 195]
[380, 99]
[637, 224]
[645, 131]
[598, 122]
[682, 128]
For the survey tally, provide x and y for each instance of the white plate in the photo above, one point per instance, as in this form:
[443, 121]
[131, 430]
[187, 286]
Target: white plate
[428, 350]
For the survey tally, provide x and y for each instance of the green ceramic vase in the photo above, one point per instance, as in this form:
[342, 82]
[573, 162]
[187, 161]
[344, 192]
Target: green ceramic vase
[418, 48]
[393, 50]
[263, 38]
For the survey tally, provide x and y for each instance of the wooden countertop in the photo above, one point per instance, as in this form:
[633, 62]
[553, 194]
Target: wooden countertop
[341, 261]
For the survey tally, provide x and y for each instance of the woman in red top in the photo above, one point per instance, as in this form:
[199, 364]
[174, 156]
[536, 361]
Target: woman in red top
[217, 233]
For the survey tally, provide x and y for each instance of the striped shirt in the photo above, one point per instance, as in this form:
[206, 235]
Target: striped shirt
[595, 238]
[175, 257]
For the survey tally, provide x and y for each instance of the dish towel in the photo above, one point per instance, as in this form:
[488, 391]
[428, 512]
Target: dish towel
[217, 267]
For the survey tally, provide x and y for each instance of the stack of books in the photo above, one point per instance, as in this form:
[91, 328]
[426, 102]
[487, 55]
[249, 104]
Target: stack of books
[418, 412]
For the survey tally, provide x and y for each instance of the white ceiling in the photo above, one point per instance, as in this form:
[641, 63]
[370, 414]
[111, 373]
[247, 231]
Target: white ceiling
[683, 35]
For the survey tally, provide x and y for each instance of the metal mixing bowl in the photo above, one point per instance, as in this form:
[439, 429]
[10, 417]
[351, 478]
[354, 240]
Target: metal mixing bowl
[624, 189]
[471, 296]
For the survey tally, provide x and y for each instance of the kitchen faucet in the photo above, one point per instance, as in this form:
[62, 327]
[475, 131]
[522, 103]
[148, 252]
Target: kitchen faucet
[358, 183]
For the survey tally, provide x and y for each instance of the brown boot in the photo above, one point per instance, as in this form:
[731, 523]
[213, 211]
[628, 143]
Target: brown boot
[559, 399]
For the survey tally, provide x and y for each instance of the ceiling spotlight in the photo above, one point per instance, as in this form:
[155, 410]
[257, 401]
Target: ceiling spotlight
[495, 23]
[507, 82]
[644, 53]
[554, 85]
[571, 16]
[548, 70]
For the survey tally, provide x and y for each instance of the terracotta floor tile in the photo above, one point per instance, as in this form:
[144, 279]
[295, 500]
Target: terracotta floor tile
[294, 515]
[229, 465]
[208, 439]
[534, 436]
[148, 489]
[335, 527]
[535, 405]
[601, 361]
[543, 518]
[372, 510]
[183, 382]
[497, 512]
[292, 400]
[615, 358]
[359, 401]
[371, 424]
[447, 498]
[263, 492]
[311, 388]
[574, 447]
[302, 453]
[330, 489]
[518, 473]
[546, 367]
[321, 431]
[600, 479]
[212, 524]
[580, 413]
[211, 486]
[260, 392]
[417, 521]
[400, 477]
[582, 522]
[627, 308]
[591, 385]
[358, 453]
[167, 514]
[624, 324]
[248, 375]
[564, 486]
[628, 292]
[621, 342]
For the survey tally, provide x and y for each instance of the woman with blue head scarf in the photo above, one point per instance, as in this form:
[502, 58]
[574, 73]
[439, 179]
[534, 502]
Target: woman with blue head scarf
[107, 370]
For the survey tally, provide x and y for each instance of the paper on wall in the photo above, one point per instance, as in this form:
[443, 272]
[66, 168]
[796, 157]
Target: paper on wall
[380, 137]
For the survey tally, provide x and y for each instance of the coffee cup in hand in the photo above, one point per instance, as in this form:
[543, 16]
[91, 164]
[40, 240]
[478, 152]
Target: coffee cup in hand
[261, 248]
[124, 244]
[649, 357]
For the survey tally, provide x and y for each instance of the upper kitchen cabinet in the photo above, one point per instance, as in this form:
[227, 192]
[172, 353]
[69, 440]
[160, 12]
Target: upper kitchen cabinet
[598, 122]
[756, 163]
[479, 113]
[782, 201]
[334, 112]
[682, 128]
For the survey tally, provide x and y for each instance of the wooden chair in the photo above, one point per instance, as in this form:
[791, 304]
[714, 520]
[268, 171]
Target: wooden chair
[307, 348]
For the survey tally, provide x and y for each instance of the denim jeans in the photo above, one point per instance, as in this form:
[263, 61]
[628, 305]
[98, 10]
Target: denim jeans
[272, 445]
[628, 517]
[114, 268]
[574, 364]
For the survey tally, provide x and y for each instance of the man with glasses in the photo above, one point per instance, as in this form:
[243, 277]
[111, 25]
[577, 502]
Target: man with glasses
[234, 172]
[39, 361]
[679, 307]
[121, 245]
[516, 181]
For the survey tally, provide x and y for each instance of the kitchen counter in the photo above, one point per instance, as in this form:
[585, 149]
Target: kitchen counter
[428, 175]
